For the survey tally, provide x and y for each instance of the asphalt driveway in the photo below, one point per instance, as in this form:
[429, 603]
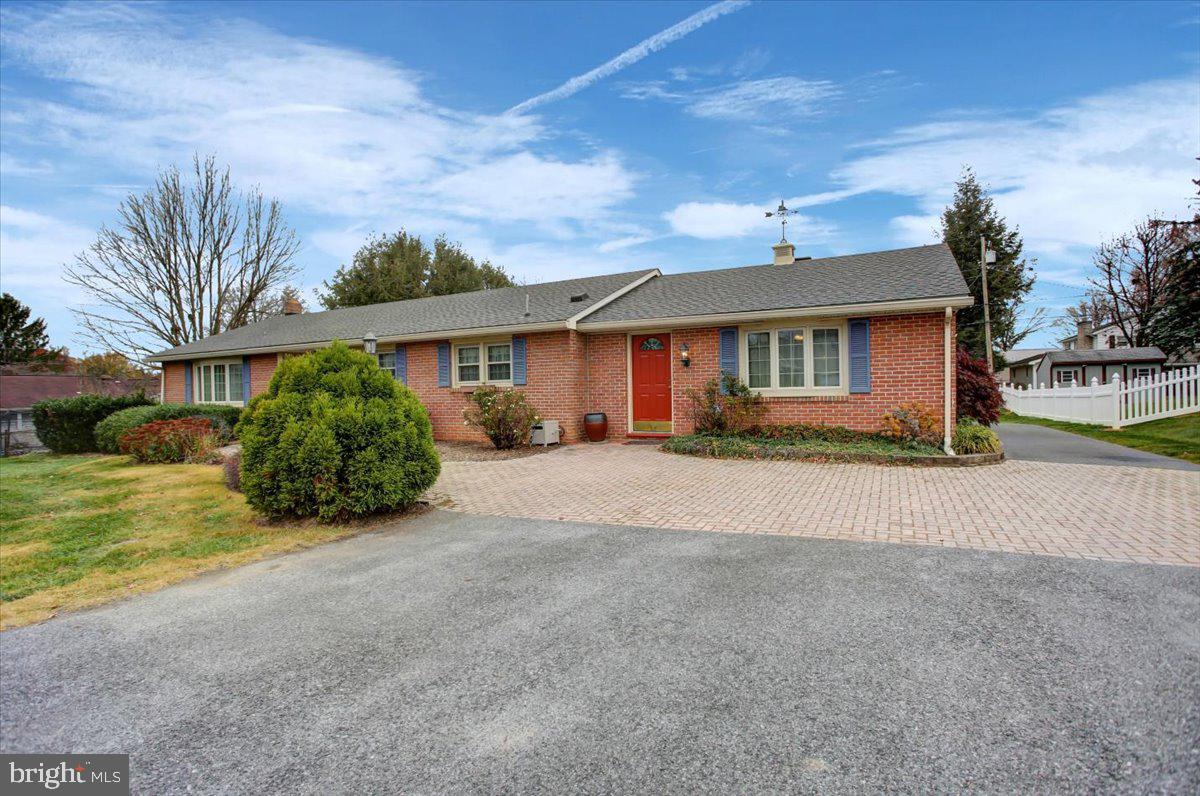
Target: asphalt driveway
[1024, 441]
[466, 653]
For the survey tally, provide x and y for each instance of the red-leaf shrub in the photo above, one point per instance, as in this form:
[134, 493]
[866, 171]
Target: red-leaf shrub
[978, 394]
[189, 439]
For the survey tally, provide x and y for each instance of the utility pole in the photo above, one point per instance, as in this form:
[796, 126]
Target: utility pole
[984, 256]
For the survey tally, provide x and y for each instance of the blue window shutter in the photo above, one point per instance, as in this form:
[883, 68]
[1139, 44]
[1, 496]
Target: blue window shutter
[860, 355]
[518, 360]
[401, 373]
[727, 352]
[246, 379]
[443, 364]
[187, 381]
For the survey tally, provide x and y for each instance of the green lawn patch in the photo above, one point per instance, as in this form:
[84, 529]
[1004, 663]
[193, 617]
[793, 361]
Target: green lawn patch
[1178, 437]
[82, 530]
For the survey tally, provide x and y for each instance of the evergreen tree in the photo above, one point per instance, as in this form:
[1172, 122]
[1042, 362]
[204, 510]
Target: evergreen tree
[21, 340]
[1175, 327]
[1010, 278]
[400, 266]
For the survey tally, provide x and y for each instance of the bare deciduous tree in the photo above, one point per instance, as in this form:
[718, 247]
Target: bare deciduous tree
[1133, 277]
[185, 262]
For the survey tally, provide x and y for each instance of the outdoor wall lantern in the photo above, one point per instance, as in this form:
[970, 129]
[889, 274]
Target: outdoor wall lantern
[369, 342]
[684, 355]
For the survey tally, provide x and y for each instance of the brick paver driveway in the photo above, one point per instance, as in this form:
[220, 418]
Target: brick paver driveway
[1083, 511]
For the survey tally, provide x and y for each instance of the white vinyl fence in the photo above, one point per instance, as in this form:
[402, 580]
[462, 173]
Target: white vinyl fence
[1116, 404]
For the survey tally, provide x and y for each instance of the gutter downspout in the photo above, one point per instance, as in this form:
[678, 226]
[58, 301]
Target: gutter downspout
[947, 397]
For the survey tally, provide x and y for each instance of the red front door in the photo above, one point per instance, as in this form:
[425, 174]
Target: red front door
[651, 382]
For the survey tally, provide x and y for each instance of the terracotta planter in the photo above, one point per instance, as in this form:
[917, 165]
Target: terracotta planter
[595, 425]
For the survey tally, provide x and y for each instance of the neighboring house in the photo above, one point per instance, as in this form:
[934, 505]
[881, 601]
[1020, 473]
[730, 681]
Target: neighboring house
[1077, 363]
[837, 340]
[1110, 336]
[1022, 362]
[20, 389]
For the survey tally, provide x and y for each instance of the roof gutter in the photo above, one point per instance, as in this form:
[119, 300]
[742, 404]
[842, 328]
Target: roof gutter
[713, 319]
[479, 331]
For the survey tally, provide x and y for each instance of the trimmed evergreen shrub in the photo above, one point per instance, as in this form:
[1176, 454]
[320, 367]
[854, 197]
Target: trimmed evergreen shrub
[971, 437]
[68, 425]
[977, 394]
[110, 429]
[504, 415]
[335, 436]
[188, 439]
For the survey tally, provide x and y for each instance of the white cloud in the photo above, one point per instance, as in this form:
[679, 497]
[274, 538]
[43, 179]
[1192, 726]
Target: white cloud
[716, 220]
[744, 100]
[1069, 177]
[758, 99]
[328, 129]
[633, 54]
[34, 247]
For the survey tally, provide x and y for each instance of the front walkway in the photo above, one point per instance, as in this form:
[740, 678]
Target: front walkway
[1081, 511]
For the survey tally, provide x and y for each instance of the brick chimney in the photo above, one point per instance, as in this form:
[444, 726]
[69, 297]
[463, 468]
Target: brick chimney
[785, 253]
[292, 306]
[1083, 334]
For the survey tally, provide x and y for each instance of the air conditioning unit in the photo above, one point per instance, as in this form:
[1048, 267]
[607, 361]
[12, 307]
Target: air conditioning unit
[545, 433]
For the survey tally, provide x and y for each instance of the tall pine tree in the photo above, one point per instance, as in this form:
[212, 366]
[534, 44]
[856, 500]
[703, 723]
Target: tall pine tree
[21, 340]
[1010, 278]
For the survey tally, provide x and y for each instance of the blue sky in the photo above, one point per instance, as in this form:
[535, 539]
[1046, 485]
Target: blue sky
[570, 139]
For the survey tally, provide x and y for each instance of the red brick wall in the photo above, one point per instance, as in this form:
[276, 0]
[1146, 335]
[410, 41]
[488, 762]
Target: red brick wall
[906, 365]
[569, 374]
[555, 368]
[173, 382]
[262, 368]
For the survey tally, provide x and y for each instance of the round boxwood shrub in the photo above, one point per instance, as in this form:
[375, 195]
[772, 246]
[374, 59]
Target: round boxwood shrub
[110, 430]
[335, 436]
[68, 425]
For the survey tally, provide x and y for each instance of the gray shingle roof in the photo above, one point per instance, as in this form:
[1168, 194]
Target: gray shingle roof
[548, 302]
[1020, 355]
[1143, 354]
[899, 274]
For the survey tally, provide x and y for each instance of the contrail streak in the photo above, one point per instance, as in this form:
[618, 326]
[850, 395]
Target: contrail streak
[634, 54]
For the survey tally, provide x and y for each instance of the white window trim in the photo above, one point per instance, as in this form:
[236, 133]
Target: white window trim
[774, 391]
[1075, 376]
[1133, 371]
[198, 387]
[483, 363]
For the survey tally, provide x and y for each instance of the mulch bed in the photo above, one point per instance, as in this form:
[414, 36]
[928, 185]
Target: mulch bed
[475, 452]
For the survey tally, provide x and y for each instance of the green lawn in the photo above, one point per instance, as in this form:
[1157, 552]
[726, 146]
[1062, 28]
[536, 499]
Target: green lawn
[1173, 436]
[82, 530]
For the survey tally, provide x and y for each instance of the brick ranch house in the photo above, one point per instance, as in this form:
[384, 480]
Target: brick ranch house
[836, 340]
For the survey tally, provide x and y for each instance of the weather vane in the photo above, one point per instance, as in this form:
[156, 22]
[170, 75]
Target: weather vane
[783, 213]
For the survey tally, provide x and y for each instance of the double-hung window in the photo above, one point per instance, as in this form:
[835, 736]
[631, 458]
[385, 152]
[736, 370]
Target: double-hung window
[1142, 373]
[483, 363]
[387, 360]
[795, 359]
[1067, 377]
[218, 382]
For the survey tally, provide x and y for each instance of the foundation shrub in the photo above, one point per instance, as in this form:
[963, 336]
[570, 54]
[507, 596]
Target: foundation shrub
[505, 416]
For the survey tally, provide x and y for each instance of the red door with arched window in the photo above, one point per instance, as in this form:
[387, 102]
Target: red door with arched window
[651, 387]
